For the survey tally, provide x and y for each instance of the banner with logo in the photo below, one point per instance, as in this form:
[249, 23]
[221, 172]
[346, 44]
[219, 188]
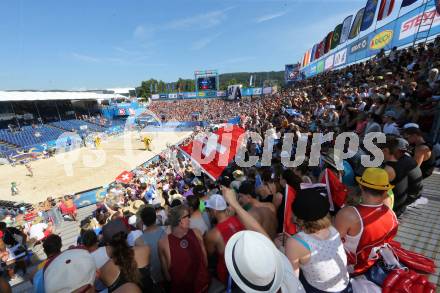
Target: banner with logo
[359, 45]
[172, 96]
[213, 152]
[221, 94]
[340, 58]
[356, 26]
[291, 73]
[267, 90]
[320, 66]
[329, 62]
[369, 13]
[407, 25]
[410, 26]
[345, 31]
[155, 97]
[381, 40]
[163, 96]
[191, 95]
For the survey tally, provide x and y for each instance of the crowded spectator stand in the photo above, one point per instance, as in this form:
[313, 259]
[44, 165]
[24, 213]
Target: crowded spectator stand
[362, 98]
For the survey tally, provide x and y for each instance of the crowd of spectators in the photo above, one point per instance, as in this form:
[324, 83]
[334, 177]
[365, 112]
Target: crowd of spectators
[172, 230]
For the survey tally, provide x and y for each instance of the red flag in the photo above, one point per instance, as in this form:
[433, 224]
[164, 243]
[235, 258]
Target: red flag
[288, 226]
[125, 177]
[214, 152]
[385, 9]
[337, 191]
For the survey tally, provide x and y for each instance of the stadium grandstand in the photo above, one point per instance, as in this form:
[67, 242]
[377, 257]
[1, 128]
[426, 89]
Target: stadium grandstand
[329, 183]
[30, 119]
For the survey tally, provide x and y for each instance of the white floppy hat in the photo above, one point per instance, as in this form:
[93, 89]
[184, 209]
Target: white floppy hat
[254, 263]
[69, 271]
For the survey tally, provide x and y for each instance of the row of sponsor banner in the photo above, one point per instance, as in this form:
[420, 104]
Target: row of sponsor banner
[189, 95]
[418, 23]
[258, 91]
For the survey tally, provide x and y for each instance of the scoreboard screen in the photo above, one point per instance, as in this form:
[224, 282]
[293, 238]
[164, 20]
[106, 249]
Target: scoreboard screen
[207, 83]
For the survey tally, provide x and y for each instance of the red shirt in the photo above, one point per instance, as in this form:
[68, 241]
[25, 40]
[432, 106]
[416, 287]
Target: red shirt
[226, 228]
[379, 227]
[188, 270]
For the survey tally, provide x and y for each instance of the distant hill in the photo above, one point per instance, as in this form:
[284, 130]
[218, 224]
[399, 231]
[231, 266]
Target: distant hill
[259, 79]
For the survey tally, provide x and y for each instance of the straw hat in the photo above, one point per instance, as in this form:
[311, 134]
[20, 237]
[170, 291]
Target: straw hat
[375, 178]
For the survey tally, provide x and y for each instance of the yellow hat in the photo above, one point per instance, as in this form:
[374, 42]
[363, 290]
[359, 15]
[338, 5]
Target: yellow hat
[375, 178]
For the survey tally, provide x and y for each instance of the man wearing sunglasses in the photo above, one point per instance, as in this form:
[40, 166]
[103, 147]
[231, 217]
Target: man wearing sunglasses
[183, 256]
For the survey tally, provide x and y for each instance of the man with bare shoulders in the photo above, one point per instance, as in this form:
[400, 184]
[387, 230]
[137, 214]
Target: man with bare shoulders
[368, 225]
[183, 256]
[216, 238]
[263, 212]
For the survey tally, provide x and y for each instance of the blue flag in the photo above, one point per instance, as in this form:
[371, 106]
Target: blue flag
[370, 11]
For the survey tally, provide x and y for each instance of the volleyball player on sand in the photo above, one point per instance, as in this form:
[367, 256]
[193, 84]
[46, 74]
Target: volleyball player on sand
[147, 142]
[29, 169]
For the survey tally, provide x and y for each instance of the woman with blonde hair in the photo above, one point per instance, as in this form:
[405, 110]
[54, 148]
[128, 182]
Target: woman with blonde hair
[316, 253]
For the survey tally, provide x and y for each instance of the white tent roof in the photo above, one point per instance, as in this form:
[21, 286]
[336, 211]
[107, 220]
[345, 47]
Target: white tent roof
[44, 96]
[124, 90]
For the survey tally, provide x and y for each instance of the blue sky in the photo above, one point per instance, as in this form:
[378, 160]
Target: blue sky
[89, 44]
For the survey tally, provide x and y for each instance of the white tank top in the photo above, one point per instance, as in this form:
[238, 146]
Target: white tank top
[327, 268]
[351, 242]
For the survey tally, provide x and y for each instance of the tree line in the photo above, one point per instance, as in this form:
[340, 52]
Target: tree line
[259, 79]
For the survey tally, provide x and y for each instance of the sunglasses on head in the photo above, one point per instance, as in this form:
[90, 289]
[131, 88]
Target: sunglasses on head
[186, 216]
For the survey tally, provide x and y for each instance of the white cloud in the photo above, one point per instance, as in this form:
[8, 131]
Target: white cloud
[270, 17]
[205, 20]
[142, 33]
[85, 58]
[235, 60]
[202, 43]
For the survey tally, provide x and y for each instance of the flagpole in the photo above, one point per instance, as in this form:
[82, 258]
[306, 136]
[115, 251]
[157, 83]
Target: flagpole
[286, 192]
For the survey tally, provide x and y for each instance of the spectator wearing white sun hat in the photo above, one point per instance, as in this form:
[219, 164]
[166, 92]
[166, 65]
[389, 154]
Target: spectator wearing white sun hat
[252, 259]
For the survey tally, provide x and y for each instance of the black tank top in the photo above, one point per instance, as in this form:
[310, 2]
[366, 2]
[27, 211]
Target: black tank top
[428, 166]
[400, 182]
[147, 284]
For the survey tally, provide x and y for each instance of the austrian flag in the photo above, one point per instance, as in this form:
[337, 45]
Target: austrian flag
[125, 177]
[214, 151]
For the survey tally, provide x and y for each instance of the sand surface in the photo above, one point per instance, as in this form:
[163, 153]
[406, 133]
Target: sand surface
[82, 169]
